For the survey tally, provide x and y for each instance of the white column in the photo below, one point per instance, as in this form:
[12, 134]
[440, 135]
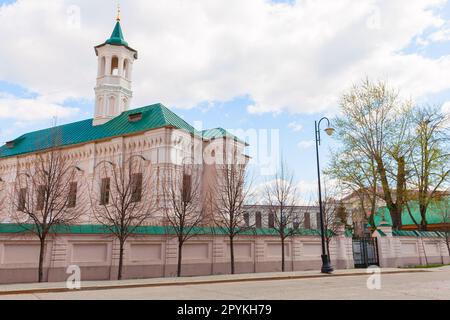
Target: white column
[121, 67]
[99, 71]
[130, 70]
[108, 65]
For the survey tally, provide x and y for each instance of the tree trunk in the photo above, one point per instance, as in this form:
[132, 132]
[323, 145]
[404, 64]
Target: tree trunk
[180, 256]
[232, 254]
[282, 254]
[423, 214]
[396, 218]
[41, 260]
[121, 245]
[394, 209]
[328, 249]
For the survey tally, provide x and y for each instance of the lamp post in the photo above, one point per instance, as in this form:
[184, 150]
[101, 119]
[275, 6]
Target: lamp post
[326, 266]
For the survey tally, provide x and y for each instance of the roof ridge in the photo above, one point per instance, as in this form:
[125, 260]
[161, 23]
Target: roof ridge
[166, 112]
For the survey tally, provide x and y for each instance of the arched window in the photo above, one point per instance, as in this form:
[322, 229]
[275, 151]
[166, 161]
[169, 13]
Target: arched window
[115, 66]
[102, 66]
[126, 69]
[112, 105]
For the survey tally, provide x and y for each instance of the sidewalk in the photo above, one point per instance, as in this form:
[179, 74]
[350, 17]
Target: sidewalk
[159, 282]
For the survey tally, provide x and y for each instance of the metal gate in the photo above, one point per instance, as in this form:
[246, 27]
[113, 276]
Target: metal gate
[365, 252]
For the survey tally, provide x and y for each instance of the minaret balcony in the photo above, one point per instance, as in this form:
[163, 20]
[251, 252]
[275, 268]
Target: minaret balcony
[114, 80]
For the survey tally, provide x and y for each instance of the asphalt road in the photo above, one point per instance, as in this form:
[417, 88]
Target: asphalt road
[424, 285]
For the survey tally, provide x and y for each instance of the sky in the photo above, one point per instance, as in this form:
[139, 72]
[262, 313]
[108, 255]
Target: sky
[270, 68]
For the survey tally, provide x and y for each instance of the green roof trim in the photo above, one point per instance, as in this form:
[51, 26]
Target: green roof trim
[117, 36]
[415, 233]
[153, 117]
[144, 230]
[381, 233]
[219, 133]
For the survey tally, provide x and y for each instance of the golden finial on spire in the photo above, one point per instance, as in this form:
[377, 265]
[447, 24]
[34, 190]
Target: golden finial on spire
[118, 11]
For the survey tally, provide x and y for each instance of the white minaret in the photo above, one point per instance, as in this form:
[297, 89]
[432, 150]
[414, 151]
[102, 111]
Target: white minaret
[115, 65]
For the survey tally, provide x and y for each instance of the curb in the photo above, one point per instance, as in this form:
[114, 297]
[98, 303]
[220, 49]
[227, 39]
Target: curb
[192, 282]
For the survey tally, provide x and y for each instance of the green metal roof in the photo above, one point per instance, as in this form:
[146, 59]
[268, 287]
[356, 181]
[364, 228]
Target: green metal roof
[433, 214]
[117, 39]
[117, 36]
[219, 133]
[153, 117]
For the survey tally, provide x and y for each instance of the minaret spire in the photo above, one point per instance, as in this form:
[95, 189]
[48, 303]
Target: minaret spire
[118, 11]
[115, 64]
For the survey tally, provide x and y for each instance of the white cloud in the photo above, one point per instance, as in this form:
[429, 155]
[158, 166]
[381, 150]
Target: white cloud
[295, 57]
[441, 35]
[27, 110]
[305, 144]
[306, 192]
[295, 126]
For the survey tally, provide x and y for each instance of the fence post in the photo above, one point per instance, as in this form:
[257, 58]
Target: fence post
[344, 259]
[386, 250]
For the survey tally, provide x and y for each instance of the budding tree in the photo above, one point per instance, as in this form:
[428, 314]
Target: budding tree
[374, 124]
[429, 158]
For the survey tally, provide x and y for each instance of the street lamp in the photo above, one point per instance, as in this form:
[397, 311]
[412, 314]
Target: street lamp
[326, 266]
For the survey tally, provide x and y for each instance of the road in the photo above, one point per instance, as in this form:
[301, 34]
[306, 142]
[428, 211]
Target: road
[423, 285]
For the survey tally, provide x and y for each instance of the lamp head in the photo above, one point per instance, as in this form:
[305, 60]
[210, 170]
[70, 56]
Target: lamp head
[329, 131]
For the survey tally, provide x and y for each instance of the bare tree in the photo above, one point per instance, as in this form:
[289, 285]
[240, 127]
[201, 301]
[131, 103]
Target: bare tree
[334, 213]
[49, 193]
[228, 194]
[429, 158]
[280, 196]
[122, 198]
[183, 208]
[375, 123]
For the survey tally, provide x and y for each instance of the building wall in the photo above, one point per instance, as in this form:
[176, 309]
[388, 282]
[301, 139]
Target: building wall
[165, 148]
[156, 256]
[301, 211]
[150, 256]
[396, 251]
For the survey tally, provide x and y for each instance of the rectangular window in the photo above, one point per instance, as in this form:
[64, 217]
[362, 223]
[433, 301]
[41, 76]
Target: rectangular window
[22, 199]
[136, 187]
[187, 185]
[104, 191]
[271, 220]
[258, 222]
[246, 219]
[318, 220]
[73, 188]
[40, 198]
[307, 222]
